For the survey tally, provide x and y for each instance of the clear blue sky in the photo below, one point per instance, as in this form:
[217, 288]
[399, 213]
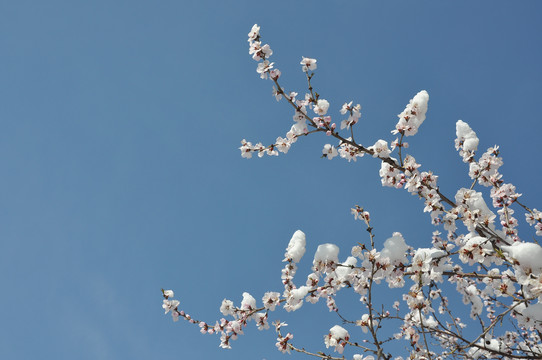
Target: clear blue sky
[121, 174]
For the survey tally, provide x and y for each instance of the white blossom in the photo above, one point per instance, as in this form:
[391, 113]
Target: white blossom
[321, 107]
[227, 307]
[263, 68]
[380, 149]
[254, 33]
[271, 300]
[308, 64]
[329, 151]
[169, 305]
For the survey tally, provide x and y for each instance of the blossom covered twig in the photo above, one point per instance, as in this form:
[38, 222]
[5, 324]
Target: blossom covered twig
[495, 272]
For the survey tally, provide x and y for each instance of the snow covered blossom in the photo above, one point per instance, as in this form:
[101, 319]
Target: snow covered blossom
[466, 142]
[527, 255]
[426, 265]
[413, 116]
[473, 208]
[337, 338]
[471, 295]
[326, 255]
[294, 298]
[248, 302]
[296, 247]
[395, 248]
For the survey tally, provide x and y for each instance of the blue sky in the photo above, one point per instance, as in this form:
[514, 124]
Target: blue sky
[121, 173]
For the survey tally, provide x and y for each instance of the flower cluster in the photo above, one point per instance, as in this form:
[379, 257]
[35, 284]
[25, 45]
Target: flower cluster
[301, 117]
[534, 217]
[354, 113]
[282, 341]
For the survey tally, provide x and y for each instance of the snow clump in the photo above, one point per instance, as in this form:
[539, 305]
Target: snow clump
[528, 255]
[413, 116]
[296, 247]
[395, 249]
[466, 141]
[326, 253]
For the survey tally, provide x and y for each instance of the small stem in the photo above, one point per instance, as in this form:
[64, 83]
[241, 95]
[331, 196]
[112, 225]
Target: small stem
[473, 183]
